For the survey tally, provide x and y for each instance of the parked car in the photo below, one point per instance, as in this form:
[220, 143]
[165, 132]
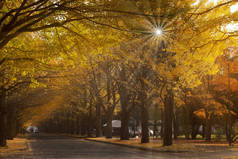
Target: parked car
[32, 130]
[36, 131]
[134, 133]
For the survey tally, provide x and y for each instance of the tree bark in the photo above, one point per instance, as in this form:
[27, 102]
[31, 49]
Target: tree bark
[89, 131]
[124, 100]
[3, 122]
[208, 130]
[203, 131]
[176, 126]
[124, 131]
[187, 123]
[11, 125]
[168, 118]
[229, 131]
[144, 125]
[98, 118]
[77, 125]
[195, 128]
[109, 125]
[162, 124]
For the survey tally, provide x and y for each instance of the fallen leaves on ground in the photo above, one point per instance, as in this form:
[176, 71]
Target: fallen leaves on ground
[14, 146]
[178, 146]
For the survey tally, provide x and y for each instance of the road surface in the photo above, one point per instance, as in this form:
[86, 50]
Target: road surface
[59, 147]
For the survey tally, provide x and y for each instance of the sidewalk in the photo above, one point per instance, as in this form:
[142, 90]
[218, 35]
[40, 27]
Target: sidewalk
[177, 147]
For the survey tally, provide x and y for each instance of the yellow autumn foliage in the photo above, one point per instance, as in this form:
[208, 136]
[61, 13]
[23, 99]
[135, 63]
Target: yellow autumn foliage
[33, 115]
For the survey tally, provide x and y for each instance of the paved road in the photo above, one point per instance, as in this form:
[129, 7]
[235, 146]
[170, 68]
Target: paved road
[58, 147]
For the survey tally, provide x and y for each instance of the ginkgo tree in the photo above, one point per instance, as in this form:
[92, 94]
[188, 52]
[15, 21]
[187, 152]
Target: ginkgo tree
[192, 36]
[225, 89]
[20, 24]
[163, 46]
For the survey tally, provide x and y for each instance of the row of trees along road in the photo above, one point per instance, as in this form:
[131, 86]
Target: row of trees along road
[102, 58]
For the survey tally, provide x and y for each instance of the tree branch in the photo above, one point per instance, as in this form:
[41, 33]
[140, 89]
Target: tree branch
[215, 7]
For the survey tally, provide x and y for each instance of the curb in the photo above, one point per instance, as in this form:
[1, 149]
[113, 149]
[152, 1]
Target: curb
[136, 147]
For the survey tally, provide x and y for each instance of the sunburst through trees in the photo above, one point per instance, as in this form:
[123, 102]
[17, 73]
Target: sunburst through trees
[102, 60]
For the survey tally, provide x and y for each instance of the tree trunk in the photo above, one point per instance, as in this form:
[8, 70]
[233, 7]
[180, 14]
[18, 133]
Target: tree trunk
[229, 131]
[203, 131]
[109, 125]
[124, 131]
[168, 118]
[145, 103]
[155, 130]
[71, 123]
[11, 125]
[187, 134]
[162, 124]
[195, 128]
[3, 122]
[77, 125]
[83, 130]
[144, 125]
[124, 100]
[98, 118]
[187, 130]
[208, 130]
[90, 118]
[175, 125]
[110, 110]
